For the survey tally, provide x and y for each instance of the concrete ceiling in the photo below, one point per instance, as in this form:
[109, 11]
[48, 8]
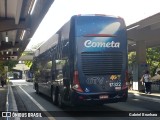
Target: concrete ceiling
[147, 30]
[18, 24]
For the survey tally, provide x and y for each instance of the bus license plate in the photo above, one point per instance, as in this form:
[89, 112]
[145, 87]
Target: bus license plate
[103, 97]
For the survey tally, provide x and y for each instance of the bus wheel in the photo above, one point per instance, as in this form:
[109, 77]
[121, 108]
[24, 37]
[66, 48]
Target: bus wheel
[60, 103]
[55, 97]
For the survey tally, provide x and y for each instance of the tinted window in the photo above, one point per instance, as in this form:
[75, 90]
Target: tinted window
[98, 25]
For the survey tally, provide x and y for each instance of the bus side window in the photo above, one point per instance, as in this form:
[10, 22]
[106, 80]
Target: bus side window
[59, 68]
[47, 70]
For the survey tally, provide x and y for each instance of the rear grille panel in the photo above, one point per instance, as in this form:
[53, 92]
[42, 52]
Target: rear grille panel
[100, 63]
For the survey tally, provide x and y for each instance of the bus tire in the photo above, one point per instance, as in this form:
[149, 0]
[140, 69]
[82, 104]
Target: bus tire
[55, 97]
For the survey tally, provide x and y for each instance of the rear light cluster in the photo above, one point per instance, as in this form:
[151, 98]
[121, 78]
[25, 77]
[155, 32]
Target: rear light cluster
[76, 85]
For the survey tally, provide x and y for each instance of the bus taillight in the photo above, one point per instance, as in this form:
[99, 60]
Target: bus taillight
[76, 84]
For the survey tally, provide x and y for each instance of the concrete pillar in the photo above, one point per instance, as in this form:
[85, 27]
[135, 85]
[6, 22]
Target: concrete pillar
[141, 52]
[140, 65]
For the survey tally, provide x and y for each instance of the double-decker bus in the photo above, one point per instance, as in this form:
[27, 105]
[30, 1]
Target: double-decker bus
[85, 62]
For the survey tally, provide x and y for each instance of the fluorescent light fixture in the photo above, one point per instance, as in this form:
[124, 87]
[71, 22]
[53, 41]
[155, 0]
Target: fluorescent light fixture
[6, 39]
[32, 6]
[22, 35]
[133, 27]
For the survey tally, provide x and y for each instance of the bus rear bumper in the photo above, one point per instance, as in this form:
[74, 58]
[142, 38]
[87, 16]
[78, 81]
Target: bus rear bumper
[99, 98]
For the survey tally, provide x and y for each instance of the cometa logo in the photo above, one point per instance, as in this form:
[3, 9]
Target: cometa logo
[112, 44]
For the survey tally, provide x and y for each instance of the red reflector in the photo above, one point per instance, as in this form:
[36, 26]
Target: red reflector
[99, 35]
[75, 81]
[76, 84]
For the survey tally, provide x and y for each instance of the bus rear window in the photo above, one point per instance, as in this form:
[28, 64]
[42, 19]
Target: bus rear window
[98, 25]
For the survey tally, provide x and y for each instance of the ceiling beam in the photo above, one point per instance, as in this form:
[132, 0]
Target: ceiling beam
[40, 11]
[9, 24]
[10, 58]
[23, 46]
[8, 55]
[145, 22]
[18, 11]
[149, 21]
[9, 46]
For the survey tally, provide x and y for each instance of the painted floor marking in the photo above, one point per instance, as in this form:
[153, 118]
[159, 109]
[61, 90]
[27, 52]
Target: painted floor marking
[40, 107]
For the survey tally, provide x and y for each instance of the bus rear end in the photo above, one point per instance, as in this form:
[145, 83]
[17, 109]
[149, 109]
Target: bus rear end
[100, 70]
